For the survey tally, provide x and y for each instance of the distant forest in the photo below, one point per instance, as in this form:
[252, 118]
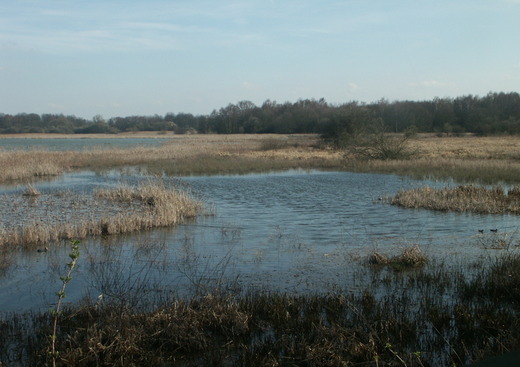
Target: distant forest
[495, 113]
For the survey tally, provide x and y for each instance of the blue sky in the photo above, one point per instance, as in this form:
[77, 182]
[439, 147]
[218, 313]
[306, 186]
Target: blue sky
[127, 57]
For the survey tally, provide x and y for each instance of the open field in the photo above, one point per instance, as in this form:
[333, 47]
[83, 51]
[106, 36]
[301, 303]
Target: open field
[487, 160]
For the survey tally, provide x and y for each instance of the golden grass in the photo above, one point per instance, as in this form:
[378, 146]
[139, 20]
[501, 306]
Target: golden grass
[180, 154]
[469, 158]
[463, 198]
[467, 147]
[465, 159]
[109, 211]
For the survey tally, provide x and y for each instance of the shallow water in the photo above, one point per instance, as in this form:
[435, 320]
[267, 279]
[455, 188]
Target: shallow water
[77, 144]
[295, 231]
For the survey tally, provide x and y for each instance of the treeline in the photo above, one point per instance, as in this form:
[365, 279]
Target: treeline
[495, 113]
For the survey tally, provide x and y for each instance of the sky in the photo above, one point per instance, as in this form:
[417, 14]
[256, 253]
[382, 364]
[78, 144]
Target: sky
[135, 57]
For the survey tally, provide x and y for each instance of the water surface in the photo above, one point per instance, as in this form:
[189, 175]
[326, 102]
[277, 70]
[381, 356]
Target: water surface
[77, 144]
[295, 231]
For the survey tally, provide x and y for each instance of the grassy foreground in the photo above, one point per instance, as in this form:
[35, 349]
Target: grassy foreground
[398, 320]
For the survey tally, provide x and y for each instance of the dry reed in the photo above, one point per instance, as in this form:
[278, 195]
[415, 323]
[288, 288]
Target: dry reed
[462, 198]
[177, 155]
[109, 211]
[488, 159]
[410, 257]
[31, 191]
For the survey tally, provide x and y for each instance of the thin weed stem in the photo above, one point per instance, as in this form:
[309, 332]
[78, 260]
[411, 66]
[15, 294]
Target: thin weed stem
[74, 255]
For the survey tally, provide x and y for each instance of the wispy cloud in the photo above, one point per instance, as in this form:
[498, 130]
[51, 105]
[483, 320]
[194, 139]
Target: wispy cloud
[102, 28]
[353, 87]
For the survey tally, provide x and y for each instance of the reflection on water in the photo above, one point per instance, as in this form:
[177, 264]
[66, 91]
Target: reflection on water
[293, 232]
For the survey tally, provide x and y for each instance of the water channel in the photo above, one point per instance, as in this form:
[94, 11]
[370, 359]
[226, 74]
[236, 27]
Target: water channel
[294, 231]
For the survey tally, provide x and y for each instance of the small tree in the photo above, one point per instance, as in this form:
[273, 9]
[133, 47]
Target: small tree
[371, 141]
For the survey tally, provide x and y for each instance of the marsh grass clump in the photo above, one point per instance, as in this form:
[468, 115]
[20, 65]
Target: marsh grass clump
[56, 217]
[254, 330]
[31, 191]
[6, 260]
[462, 198]
[410, 257]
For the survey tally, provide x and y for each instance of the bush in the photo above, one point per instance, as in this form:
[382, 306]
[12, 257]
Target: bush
[373, 142]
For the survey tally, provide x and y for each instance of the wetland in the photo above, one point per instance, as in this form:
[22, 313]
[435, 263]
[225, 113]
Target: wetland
[272, 264]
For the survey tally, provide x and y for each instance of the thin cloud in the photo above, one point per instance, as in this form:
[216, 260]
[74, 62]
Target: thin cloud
[353, 86]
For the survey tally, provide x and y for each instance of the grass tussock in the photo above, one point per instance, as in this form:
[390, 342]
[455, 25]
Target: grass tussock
[31, 191]
[109, 211]
[410, 257]
[462, 198]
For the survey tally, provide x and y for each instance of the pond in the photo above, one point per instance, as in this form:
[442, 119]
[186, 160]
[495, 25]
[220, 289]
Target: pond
[294, 231]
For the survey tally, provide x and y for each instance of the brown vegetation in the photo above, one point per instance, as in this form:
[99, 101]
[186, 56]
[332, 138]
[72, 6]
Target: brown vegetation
[462, 198]
[64, 216]
[464, 159]
[179, 155]
[410, 257]
[469, 158]
[406, 325]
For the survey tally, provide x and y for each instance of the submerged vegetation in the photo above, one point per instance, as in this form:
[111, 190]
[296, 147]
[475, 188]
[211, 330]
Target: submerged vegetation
[410, 257]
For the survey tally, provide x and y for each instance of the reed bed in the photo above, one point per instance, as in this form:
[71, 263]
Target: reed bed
[462, 198]
[485, 171]
[53, 217]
